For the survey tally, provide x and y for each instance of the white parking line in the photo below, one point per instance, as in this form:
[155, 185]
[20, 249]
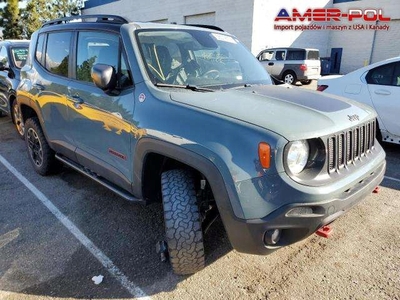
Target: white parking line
[134, 290]
[391, 178]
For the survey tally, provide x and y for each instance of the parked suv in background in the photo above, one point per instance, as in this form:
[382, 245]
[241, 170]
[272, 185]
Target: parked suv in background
[13, 54]
[187, 116]
[292, 64]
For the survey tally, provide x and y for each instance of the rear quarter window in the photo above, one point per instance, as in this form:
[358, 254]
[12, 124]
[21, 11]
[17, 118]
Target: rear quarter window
[313, 55]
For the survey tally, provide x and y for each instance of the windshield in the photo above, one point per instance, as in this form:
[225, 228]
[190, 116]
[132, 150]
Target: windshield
[19, 56]
[198, 58]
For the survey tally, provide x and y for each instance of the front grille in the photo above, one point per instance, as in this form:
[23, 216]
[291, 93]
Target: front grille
[347, 147]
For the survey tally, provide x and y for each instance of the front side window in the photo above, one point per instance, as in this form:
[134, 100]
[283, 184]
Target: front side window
[200, 58]
[388, 74]
[57, 53]
[100, 48]
[266, 55]
[19, 55]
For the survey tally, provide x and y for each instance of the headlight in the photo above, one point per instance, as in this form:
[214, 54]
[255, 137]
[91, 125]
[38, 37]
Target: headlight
[297, 156]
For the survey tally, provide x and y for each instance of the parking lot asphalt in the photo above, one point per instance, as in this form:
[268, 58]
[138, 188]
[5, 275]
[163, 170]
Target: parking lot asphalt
[57, 232]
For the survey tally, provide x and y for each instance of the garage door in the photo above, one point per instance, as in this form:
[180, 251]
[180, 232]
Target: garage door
[387, 43]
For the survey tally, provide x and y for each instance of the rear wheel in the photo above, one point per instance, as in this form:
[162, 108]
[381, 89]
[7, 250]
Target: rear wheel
[305, 82]
[17, 119]
[184, 235]
[289, 77]
[40, 154]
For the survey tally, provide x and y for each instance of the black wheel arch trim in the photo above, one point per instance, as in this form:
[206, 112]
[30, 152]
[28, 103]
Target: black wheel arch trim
[224, 194]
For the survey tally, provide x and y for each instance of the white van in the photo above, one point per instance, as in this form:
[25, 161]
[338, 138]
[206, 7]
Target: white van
[292, 64]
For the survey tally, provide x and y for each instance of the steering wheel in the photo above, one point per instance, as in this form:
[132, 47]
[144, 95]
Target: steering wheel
[211, 74]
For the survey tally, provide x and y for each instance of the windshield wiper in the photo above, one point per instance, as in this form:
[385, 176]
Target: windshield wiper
[187, 87]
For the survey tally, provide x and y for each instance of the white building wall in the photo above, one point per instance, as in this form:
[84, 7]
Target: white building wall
[233, 16]
[265, 36]
[252, 21]
[358, 44]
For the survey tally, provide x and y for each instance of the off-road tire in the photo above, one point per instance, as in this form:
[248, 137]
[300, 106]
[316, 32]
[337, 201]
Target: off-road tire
[289, 77]
[184, 234]
[39, 152]
[17, 119]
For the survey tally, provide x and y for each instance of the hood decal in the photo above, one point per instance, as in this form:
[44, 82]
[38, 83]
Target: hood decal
[306, 98]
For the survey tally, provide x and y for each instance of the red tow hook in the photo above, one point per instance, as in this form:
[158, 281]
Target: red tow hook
[324, 231]
[376, 190]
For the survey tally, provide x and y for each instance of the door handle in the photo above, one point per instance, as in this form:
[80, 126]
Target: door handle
[382, 92]
[270, 64]
[77, 101]
[39, 86]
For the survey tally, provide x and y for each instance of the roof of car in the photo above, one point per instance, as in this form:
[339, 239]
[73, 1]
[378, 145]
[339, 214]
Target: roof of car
[290, 48]
[15, 42]
[114, 21]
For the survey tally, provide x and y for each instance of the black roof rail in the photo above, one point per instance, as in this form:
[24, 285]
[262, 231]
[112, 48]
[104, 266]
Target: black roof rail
[206, 26]
[89, 18]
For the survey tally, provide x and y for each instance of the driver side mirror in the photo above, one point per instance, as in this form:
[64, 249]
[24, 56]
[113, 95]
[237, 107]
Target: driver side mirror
[4, 66]
[104, 76]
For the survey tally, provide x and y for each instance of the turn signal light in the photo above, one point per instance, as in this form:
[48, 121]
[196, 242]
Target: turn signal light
[264, 154]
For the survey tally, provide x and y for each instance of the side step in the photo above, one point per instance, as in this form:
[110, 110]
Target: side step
[104, 182]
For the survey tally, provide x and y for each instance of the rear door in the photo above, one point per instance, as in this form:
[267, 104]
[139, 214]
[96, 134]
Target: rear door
[49, 87]
[100, 121]
[313, 63]
[384, 88]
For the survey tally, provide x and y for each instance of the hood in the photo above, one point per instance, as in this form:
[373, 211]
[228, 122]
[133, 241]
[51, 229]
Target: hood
[293, 113]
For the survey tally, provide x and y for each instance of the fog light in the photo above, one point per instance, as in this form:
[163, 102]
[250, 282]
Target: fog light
[272, 237]
[300, 212]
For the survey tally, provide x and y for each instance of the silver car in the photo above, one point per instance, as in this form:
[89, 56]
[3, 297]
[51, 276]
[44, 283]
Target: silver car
[292, 64]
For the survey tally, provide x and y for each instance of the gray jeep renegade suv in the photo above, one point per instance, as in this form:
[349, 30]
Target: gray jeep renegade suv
[187, 116]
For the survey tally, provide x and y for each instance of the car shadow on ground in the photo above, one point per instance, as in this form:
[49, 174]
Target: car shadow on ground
[127, 233]
[392, 175]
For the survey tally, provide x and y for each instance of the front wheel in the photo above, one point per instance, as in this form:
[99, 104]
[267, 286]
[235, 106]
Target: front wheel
[40, 154]
[184, 234]
[306, 82]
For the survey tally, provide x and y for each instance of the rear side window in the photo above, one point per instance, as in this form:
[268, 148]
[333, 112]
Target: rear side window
[388, 74]
[57, 53]
[296, 55]
[280, 55]
[313, 55]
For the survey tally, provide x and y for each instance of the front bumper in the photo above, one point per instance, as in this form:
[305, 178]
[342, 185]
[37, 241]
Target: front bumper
[248, 235]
